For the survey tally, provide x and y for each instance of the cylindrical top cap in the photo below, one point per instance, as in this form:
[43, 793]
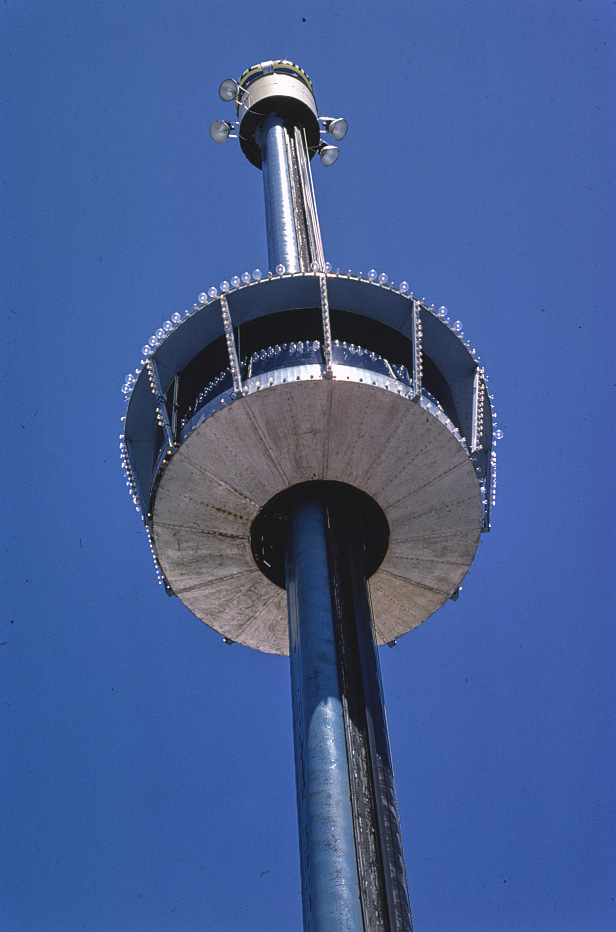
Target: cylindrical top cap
[275, 87]
[280, 66]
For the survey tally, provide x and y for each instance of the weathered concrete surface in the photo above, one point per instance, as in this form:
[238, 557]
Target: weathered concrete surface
[371, 438]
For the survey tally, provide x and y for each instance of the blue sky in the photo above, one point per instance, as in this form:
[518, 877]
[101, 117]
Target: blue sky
[147, 768]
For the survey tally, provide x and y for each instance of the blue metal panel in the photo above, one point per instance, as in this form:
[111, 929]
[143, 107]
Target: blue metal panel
[330, 886]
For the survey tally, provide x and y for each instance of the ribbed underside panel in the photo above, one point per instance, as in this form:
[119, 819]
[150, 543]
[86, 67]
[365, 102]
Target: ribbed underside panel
[382, 443]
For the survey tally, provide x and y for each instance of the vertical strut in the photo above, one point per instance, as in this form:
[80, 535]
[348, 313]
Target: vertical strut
[231, 347]
[417, 364]
[326, 320]
[302, 228]
[162, 415]
[309, 200]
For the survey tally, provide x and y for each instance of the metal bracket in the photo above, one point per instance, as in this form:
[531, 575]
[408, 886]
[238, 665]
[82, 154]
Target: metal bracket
[478, 393]
[417, 334]
[327, 329]
[162, 415]
[231, 347]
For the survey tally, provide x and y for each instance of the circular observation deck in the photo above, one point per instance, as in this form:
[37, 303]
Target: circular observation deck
[395, 406]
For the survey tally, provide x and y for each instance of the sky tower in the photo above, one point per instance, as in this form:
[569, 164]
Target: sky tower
[312, 454]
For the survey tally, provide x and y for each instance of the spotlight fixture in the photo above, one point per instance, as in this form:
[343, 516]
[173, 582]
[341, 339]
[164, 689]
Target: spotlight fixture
[328, 154]
[337, 128]
[220, 130]
[228, 89]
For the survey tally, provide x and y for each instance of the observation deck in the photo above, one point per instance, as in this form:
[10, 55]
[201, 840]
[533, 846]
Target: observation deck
[246, 396]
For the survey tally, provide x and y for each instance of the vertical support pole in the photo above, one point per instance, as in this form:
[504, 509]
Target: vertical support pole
[378, 838]
[327, 329]
[477, 429]
[353, 872]
[417, 334]
[330, 887]
[162, 416]
[175, 407]
[308, 198]
[231, 347]
[281, 240]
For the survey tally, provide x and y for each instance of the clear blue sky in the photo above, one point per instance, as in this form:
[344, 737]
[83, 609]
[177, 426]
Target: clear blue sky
[147, 769]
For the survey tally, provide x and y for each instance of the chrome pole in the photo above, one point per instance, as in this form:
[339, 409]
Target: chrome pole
[281, 239]
[330, 885]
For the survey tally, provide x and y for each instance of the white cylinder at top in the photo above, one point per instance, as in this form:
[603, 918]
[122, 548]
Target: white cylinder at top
[275, 87]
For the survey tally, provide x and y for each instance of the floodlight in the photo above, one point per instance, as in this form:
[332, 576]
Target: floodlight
[228, 89]
[328, 154]
[337, 128]
[219, 130]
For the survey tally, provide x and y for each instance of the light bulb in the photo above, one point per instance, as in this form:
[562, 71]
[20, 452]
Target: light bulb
[202, 298]
[372, 274]
[498, 435]
[235, 281]
[458, 326]
[404, 286]
[280, 269]
[328, 266]
[224, 286]
[442, 311]
[384, 278]
[257, 274]
[176, 318]
[246, 277]
[212, 291]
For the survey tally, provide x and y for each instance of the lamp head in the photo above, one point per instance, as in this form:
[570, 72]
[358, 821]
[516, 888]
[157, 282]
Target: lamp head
[228, 89]
[328, 154]
[219, 130]
[337, 128]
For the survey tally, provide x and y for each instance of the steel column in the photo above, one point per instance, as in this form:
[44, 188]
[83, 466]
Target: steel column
[281, 238]
[330, 887]
[353, 872]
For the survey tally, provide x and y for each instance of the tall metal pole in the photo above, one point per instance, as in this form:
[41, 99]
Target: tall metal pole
[353, 873]
[330, 886]
[281, 238]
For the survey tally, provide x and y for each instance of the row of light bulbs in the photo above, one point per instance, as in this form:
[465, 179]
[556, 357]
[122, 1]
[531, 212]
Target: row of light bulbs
[257, 275]
[236, 281]
[246, 277]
